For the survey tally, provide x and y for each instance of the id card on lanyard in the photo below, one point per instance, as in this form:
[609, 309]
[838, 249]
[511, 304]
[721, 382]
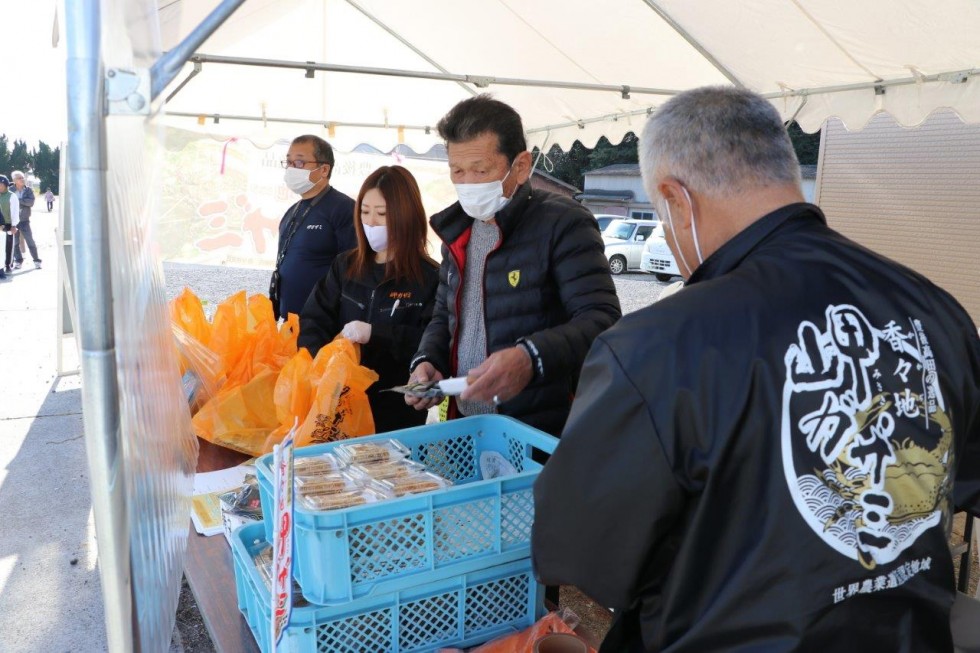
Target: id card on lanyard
[296, 221]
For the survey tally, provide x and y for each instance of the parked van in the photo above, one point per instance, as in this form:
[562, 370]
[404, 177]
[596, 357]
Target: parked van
[624, 239]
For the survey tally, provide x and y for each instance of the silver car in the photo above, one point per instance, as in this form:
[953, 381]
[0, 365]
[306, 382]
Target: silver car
[624, 240]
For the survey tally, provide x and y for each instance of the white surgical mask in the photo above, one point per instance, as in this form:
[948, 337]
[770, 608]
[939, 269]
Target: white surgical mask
[298, 180]
[482, 201]
[377, 236]
[694, 231]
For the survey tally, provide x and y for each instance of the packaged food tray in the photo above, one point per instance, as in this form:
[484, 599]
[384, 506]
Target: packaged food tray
[341, 555]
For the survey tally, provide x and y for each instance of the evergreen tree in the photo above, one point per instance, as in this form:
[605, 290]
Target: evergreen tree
[572, 165]
[5, 168]
[20, 158]
[46, 166]
[807, 146]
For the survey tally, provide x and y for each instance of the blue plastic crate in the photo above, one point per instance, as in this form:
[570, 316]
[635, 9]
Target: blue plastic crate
[342, 555]
[460, 611]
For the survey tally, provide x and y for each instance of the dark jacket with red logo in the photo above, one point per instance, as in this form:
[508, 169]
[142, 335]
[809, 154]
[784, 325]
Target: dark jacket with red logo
[398, 312]
[547, 283]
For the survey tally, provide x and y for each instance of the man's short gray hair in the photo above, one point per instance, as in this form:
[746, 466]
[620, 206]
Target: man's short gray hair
[717, 140]
[17, 174]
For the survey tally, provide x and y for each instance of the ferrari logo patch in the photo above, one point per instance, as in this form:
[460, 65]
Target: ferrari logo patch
[514, 277]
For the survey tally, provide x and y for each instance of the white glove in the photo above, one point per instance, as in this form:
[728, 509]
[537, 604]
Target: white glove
[357, 331]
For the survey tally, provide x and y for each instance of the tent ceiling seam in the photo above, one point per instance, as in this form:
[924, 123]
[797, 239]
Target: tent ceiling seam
[550, 42]
[404, 41]
[833, 40]
[694, 43]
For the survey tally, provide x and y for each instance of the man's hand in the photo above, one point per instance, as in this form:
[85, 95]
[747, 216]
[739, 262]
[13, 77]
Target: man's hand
[424, 373]
[503, 375]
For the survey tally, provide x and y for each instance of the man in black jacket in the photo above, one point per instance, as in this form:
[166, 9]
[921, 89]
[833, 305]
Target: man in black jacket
[769, 459]
[524, 284]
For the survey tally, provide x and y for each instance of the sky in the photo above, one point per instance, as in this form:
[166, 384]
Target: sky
[38, 110]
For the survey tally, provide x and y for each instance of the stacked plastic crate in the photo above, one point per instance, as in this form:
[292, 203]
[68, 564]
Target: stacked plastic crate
[450, 567]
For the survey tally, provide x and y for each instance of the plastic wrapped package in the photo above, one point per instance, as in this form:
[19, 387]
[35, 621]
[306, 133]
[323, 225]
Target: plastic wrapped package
[390, 469]
[319, 465]
[415, 483]
[332, 483]
[341, 500]
[263, 563]
[245, 501]
[380, 451]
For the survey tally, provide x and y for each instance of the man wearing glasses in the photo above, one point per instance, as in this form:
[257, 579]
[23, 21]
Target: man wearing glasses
[314, 230]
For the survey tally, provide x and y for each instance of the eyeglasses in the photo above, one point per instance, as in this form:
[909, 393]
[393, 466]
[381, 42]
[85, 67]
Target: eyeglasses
[299, 163]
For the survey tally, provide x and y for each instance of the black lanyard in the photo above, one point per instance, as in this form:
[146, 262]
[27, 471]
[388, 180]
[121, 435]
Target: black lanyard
[295, 224]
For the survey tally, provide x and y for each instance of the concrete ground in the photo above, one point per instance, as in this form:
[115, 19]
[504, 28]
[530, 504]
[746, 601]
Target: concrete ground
[50, 596]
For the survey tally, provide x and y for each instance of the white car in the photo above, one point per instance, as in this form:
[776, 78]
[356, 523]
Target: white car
[657, 257]
[624, 240]
[605, 218]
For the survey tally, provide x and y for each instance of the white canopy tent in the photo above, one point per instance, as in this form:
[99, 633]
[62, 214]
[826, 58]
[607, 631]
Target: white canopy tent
[383, 72]
[574, 69]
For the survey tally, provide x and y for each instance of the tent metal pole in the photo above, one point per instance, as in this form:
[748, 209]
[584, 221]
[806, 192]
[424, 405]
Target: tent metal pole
[694, 43]
[408, 44]
[194, 73]
[480, 81]
[953, 77]
[586, 121]
[168, 66]
[96, 334]
[217, 117]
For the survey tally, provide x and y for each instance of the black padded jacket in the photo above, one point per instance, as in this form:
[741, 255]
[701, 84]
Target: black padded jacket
[547, 283]
[397, 311]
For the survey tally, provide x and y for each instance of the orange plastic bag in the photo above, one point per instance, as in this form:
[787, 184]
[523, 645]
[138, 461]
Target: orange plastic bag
[187, 313]
[293, 396]
[339, 409]
[563, 621]
[263, 345]
[240, 418]
[229, 331]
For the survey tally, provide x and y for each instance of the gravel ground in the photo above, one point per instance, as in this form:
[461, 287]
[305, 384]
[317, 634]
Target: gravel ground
[215, 283]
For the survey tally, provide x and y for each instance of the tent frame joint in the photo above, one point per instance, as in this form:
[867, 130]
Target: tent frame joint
[127, 91]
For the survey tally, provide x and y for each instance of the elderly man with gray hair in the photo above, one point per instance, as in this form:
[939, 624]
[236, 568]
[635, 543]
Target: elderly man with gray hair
[768, 460]
[25, 197]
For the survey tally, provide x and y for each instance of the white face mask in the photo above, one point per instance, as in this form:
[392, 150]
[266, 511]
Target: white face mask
[377, 236]
[694, 231]
[482, 201]
[298, 180]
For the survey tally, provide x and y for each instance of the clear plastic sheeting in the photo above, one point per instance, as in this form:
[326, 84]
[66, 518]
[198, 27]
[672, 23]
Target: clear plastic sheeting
[223, 200]
[159, 450]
